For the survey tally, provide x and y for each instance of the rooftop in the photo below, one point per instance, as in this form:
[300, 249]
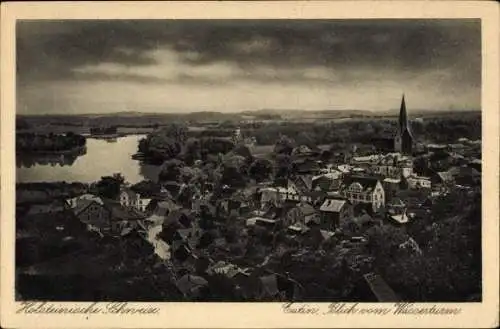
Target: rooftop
[332, 205]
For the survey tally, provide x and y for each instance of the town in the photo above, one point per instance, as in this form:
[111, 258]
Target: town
[395, 219]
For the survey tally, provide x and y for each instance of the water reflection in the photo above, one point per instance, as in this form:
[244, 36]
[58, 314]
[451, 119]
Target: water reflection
[102, 158]
[30, 160]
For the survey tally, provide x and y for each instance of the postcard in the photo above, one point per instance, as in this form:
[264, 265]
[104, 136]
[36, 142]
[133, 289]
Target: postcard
[249, 164]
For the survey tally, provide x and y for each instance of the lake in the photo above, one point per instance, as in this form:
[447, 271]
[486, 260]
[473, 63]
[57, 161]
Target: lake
[102, 158]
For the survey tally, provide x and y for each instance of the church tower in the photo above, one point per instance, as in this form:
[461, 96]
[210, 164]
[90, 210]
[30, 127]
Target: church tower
[403, 141]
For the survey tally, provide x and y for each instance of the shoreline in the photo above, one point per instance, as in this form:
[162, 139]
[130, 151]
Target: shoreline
[75, 150]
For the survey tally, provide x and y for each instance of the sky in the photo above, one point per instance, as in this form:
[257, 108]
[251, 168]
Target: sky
[165, 66]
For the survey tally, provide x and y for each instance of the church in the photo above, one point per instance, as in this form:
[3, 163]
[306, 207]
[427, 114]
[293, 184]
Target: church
[403, 141]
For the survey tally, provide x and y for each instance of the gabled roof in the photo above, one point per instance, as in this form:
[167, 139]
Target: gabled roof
[445, 176]
[304, 182]
[121, 213]
[81, 205]
[366, 182]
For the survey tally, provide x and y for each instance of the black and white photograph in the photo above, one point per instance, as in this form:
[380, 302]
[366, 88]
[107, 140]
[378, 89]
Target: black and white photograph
[282, 160]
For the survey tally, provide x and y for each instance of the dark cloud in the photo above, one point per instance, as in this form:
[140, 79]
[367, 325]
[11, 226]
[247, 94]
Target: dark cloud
[52, 50]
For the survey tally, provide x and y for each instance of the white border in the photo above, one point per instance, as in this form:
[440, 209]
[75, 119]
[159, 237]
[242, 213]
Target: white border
[262, 315]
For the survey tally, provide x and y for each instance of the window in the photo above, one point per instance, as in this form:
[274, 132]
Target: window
[356, 187]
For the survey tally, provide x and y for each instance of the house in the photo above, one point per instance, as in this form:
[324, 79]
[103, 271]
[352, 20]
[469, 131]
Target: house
[277, 195]
[302, 183]
[418, 182]
[393, 165]
[109, 217]
[442, 178]
[261, 221]
[334, 212]
[327, 182]
[94, 214]
[363, 190]
[305, 151]
[131, 199]
[72, 202]
[391, 187]
[123, 220]
[305, 166]
[303, 215]
[316, 198]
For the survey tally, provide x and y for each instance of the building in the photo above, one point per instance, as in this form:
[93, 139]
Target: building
[392, 165]
[363, 190]
[403, 141]
[93, 213]
[303, 215]
[418, 182]
[327, 182]
[72, 202]
[333, 212]
[391, 187]
[131, 199]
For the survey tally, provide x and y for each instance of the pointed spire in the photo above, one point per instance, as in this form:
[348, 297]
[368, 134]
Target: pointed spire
[403, 118]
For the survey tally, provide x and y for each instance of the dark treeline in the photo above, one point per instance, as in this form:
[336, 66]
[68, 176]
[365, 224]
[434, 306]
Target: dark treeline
[443, 130]
[34, 143]
[104, 130]
[174, 141]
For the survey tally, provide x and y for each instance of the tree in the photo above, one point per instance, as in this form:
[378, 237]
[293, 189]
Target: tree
[233, 175]
[243, 151]
[283, 166]
[146, 188]
[170, 170]
[192, 151]
[260, 169]
[284, 145]
[165, 143]
[211, 145]
[109, 186]
[305, 138]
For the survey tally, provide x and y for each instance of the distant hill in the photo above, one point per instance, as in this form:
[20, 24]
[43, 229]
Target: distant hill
[140, 119]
